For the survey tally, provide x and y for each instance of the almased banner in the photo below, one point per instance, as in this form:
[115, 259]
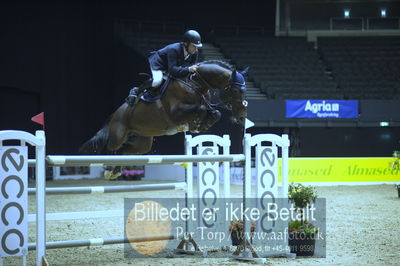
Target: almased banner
[334, 170]
[321, 109]
[358, 170]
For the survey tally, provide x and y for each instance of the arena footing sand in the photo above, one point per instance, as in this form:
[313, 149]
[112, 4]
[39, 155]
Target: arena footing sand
[363, 228]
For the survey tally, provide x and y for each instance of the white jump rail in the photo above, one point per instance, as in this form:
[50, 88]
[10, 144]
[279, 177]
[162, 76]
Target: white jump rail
[100, 241]
[128, 160]
[112, 189]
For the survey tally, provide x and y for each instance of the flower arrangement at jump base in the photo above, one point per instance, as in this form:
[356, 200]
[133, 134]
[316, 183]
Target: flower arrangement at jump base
[302, 232]
[132, 173]
[236, 230]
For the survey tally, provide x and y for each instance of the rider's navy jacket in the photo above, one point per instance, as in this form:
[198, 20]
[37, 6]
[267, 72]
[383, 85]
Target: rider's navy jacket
[171, 59]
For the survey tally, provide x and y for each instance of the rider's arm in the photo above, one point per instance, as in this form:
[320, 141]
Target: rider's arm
[173, 68]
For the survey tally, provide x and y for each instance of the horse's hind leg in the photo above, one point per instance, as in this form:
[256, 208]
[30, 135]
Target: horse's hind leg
[136, 145]
[117, 131]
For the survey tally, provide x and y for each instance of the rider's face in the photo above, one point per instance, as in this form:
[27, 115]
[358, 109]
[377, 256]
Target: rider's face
[191, 48]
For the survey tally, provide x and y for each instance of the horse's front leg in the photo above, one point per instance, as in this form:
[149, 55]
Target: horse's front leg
[213, 116]
[188, 113]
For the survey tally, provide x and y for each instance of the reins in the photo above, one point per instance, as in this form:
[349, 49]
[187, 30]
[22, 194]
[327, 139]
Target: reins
[197, 85]
[195, 88]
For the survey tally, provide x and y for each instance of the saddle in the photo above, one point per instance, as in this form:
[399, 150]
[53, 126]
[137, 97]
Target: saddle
[153, 95]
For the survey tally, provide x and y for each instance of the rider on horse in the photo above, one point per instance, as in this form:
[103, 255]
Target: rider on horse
[176, 59]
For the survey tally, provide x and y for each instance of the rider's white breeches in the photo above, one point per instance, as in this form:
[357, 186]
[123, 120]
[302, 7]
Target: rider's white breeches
[157, 78]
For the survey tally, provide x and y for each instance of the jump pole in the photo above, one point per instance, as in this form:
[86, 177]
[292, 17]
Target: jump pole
[115, 160]
[100, 241]
[111, 189]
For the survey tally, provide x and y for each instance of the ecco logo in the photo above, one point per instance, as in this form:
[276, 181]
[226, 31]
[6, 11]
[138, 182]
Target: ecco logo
[267, 179]
[208, 175]
[12, 200]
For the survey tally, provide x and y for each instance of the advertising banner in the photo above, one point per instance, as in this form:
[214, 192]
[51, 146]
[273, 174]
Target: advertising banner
[321, 109]
[334, 170]
[357, 170]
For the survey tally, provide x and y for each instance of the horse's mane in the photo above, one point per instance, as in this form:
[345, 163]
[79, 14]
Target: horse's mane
[220, 63]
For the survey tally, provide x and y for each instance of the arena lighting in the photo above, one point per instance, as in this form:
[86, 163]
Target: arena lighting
[383, 12]
[384, 124]
[346, 12]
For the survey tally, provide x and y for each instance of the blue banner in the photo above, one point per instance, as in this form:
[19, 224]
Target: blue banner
[321, 109]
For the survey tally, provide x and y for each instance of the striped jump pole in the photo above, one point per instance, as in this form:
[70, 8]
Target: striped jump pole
[100, 241]
[112, 189]
[117, 160]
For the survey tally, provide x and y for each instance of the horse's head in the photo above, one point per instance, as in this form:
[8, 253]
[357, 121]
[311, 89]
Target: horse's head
[233, 96]
[231, 84]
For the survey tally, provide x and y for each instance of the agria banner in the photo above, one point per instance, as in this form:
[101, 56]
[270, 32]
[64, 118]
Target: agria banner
[321, 109]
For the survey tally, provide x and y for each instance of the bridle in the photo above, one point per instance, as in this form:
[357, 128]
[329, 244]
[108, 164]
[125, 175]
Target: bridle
[228, 90]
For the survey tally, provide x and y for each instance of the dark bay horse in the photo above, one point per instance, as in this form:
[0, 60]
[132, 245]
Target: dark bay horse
[185, 106]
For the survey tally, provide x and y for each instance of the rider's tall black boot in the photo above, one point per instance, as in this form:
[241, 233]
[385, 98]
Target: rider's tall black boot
[137, 91]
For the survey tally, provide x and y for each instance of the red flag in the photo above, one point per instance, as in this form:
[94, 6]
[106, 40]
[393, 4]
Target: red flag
[39, 119]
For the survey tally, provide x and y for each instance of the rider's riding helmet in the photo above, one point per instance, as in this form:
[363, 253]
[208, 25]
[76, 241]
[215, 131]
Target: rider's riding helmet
[193, 37]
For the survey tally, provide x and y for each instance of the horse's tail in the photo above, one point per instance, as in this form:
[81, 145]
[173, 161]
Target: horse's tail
[98, 143]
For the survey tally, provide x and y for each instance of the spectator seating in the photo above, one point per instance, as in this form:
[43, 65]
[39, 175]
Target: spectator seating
[291, 68]
[282, 67]
[364, 67]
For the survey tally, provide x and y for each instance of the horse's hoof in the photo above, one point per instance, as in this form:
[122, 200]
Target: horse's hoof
[109, 175]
